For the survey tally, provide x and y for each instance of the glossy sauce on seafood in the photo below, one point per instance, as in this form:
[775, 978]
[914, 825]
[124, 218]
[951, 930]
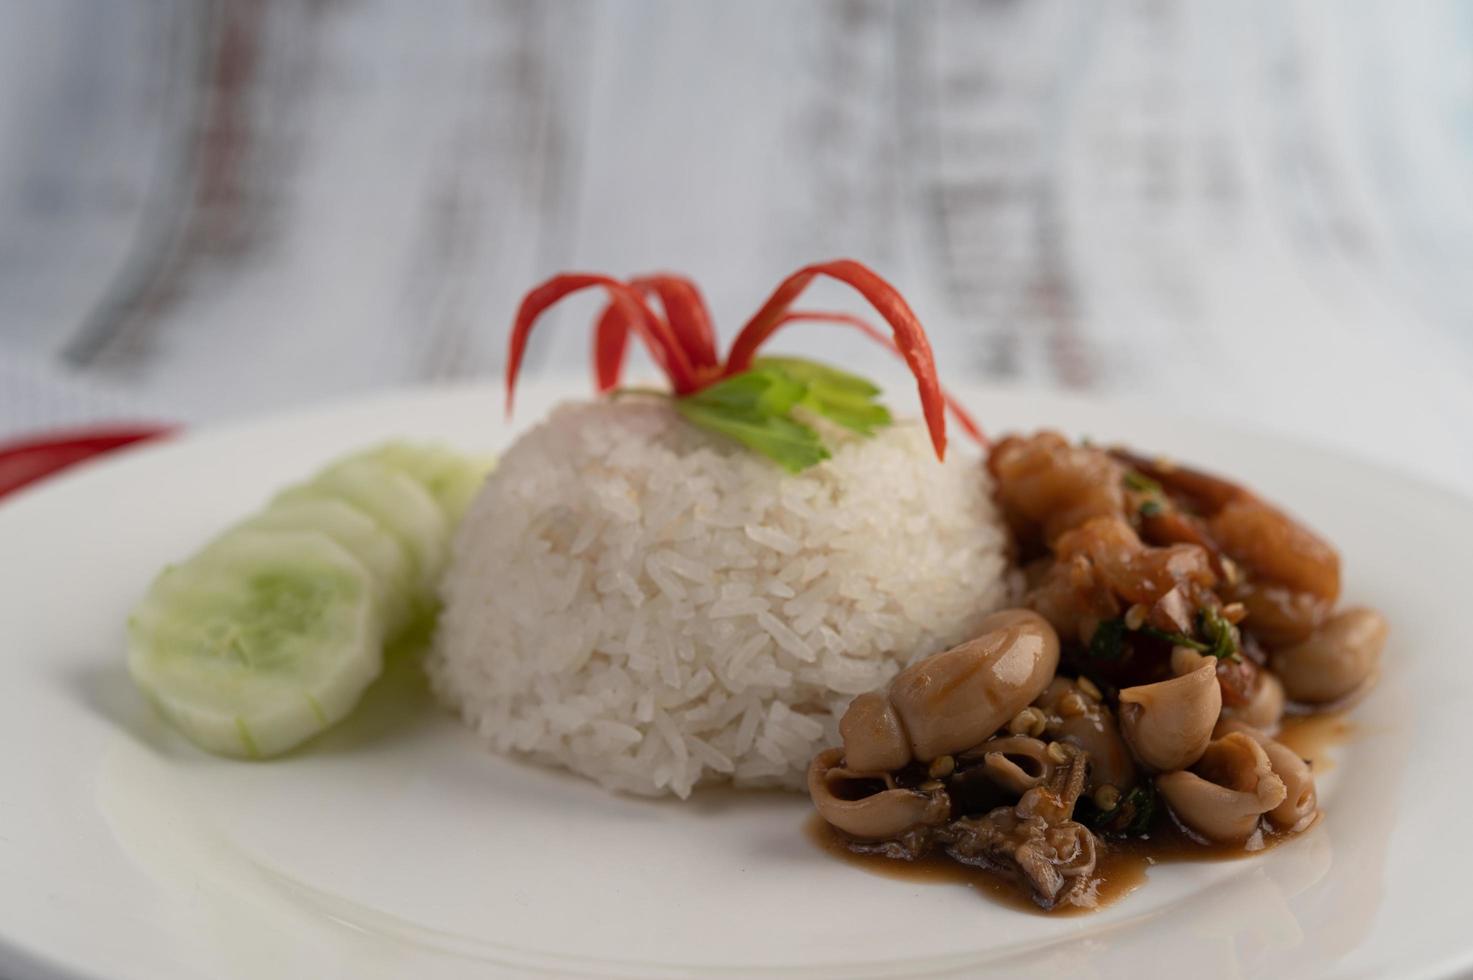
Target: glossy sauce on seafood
[1179, 619]
[1122, 864]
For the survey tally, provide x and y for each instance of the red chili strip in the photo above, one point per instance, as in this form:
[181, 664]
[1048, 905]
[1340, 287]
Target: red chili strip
[910, 338]
[610, 344]
[655, 332]
[688, 316]
[22, 463]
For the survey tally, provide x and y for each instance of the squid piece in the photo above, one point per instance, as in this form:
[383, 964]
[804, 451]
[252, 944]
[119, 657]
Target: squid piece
[1037, 841]
[1168, 725]
[866, 806]
[1265, 708]
[1017, 763]
[1087, 723]
[874, 739]
[1336, 659]
[1231, 787]
[1301, 803]
[956, 699]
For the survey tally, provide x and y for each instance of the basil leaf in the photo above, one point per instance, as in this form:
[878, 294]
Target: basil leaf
[1131, 816]
[1108, 641]
[1220, 638]
[1221, 635]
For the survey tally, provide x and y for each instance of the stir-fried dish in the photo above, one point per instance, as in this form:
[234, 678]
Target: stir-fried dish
[664, 590]
[1170, 619]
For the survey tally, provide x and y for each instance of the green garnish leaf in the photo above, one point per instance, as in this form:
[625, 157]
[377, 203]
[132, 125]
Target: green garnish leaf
[1131, 816]
[1176, 639]
[1150, 508]
[1140, 803]
[1219, 637]
[1141, 482]
[1108, 642]
[756, 406]
[753, 408]
[820, 375]
[838, 396]
[757, 392]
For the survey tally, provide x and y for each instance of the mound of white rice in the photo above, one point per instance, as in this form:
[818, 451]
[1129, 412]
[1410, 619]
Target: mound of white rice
[654, 607]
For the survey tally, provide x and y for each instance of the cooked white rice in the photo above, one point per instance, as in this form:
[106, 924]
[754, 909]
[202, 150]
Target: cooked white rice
[654, 607]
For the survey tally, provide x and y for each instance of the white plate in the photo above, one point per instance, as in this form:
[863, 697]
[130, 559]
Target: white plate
[396, 847]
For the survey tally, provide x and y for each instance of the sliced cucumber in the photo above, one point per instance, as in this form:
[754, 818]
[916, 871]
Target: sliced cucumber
[452, 478]
[272, 633]
[394, 500]
[259, 642]
[378, 549]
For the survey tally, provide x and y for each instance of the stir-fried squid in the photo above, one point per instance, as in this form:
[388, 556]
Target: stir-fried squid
[1171, 618]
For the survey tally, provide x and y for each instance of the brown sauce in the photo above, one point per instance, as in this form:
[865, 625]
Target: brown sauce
[1122, 864]
[1312, 737]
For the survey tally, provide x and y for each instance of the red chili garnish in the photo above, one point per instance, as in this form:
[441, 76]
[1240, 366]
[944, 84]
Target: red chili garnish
[958, 410]
[683, 343]
[688, 316]
[610, 341]
[25, 462]
[655, 331]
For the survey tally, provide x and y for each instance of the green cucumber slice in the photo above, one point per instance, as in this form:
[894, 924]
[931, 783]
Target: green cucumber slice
[397, 502]
[378, 549]
[452, 478]
[259, 642]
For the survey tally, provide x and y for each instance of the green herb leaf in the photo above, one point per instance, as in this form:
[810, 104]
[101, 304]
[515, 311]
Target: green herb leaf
[836, 395]
[1131, 816]
[755, 408]
[1141, 482]
[760, 392]
[1141, 801]
[814, 374]
[1108, 641]
[1175, 639]
[1150, 508]
[1219, 637]
[793, 445]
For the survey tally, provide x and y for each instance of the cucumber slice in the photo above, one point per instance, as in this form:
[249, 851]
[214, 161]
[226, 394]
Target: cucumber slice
[259, 642]
[451, 478]
[379, 551]
[398, 503]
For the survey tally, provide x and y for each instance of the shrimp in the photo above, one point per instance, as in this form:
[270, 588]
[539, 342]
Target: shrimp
[1292, 578]
[1265, 541]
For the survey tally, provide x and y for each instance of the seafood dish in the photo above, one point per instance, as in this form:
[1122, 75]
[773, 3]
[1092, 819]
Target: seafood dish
[1019, 654]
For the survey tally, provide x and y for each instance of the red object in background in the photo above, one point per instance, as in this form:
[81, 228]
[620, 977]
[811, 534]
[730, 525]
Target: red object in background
[32, 459]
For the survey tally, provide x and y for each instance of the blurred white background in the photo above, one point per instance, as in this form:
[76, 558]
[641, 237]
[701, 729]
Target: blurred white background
[1261, 211]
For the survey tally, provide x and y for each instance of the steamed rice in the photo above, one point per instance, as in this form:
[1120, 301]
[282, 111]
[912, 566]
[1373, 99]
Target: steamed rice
[655, 607]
